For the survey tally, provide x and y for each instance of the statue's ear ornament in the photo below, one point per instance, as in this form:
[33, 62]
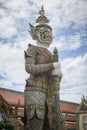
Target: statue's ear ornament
[32, 31]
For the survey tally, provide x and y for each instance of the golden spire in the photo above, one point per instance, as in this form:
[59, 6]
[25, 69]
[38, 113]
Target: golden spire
[41, 12]
[42, 18]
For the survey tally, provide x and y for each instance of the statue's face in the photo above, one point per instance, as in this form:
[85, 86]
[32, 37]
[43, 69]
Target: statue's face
[44, 36]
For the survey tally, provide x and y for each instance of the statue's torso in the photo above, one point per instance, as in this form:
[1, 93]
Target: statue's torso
[43, 56]
[41, 81]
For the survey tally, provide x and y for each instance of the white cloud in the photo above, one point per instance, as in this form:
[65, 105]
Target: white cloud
[74, 94]
[7, 27]
[12, 62]
[71, 42]
[68, 42]
[12, 66]
[12, 12]
[61, 13]
[74, 77]
[74, 81]
[67, 12]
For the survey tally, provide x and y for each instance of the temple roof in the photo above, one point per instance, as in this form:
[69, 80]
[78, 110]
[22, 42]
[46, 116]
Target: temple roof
[12, 97]
[70, 108]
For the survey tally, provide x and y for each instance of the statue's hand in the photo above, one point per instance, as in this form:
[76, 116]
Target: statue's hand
[57, 72]
[56, 65]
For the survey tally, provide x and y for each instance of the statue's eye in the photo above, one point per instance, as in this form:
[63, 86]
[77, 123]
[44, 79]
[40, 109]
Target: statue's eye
[44, 37]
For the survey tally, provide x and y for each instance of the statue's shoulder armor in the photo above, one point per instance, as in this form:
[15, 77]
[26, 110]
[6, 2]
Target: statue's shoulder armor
[31, 51]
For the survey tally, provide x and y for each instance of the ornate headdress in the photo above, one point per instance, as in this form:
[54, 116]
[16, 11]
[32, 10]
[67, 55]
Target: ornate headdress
[42, 21]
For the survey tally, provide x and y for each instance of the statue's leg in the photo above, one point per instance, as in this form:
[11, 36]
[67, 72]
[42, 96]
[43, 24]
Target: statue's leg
[35, 109]
[46, 122]
[54, 115]
[35, 124]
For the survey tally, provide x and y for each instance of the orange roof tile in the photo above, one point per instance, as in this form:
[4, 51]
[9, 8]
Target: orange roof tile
[71, 125]
[71, 117]
[12, 97]
[68, 107]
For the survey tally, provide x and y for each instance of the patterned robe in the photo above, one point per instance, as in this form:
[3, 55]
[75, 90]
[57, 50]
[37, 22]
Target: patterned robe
[38, 90]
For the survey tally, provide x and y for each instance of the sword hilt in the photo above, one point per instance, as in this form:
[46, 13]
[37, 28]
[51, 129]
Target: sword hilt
[55, 56]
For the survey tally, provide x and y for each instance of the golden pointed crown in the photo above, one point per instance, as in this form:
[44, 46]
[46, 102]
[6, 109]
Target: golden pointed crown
[42, 21]
[42, 18]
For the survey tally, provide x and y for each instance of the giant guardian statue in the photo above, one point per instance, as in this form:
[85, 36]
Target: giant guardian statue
[42, 102]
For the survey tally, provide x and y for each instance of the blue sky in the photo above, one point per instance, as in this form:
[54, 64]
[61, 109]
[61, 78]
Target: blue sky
[68, 19]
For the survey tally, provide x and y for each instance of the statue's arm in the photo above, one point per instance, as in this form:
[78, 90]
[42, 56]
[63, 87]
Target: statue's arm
[30, 62]
[33, 68]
